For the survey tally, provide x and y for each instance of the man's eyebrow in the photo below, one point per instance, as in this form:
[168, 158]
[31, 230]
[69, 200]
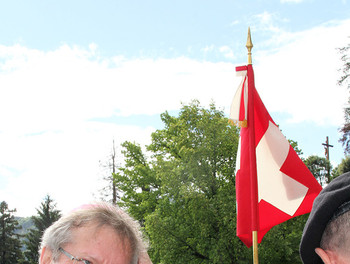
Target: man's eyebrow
[88, 257]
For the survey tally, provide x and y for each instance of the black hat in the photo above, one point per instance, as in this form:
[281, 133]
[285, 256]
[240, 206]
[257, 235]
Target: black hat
[325, 206]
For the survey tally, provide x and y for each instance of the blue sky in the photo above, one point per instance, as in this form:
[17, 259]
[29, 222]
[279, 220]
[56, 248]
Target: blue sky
[76, 75]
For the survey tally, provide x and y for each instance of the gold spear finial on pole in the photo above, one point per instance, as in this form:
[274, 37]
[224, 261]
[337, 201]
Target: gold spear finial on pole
[249, 46]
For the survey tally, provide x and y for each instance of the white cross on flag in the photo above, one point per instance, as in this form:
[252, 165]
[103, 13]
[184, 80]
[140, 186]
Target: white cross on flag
[272, 183]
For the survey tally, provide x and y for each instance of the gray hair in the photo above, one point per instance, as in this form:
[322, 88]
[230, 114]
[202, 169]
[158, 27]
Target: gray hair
[101, 214]
[336, 235]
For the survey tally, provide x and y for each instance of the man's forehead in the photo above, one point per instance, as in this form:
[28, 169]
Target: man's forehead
[101, 242]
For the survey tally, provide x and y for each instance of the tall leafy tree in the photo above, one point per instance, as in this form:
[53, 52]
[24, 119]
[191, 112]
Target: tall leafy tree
[343, 167]
[184, 188]
[196, 154]
[46, 215]
[320, 168]
[10, 245]
[344, 81]
[138, 182]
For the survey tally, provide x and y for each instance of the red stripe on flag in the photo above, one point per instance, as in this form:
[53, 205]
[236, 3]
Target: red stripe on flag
[241, 68]
[251, 150]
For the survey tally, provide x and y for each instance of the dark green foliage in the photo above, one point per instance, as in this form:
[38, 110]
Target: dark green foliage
[10, 245]
[184, 192]
[343, 167]
[320, 168]
[295, 146]
[46, 215]
[195, 155]
[138, 183]
[281, 243]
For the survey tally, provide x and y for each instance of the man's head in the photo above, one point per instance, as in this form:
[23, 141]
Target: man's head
[99, 233]
[326, 236]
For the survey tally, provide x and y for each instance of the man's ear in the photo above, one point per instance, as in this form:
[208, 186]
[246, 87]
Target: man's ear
[323, 255]
[45, 256]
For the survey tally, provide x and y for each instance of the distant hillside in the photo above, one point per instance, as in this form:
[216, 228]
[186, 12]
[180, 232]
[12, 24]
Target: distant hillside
[26, 223]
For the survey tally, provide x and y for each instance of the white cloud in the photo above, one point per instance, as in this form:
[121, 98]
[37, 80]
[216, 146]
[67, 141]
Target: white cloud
[207, 49]
[301, 78]
[64, 165]
[68, 86]
[227, 51]
[267, 22]
[48, 99]
[49, 143]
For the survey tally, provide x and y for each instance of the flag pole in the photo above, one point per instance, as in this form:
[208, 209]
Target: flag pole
[253, 170]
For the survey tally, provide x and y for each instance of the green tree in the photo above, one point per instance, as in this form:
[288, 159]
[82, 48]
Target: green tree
[344, 80]
[320, 168]
[46, 215]
[195, 155]
[184, 189]
[295, 146]
[343, 167]
[10, 245]
[138, 182]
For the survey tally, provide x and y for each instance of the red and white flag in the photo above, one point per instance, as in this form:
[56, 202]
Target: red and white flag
[272, 183]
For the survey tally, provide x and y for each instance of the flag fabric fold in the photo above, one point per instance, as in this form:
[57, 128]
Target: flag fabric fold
[273, 185]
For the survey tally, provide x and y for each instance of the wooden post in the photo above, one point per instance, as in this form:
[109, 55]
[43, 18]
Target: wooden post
[326, 148]
[326, 152]
[255, 247]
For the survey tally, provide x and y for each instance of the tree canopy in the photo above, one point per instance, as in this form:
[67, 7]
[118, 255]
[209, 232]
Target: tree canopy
[181, 188]
[344, 81]
[46, 215]
[320, 168]
[10, 244]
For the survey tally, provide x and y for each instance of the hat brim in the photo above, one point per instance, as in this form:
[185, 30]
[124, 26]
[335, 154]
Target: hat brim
[326, 203]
